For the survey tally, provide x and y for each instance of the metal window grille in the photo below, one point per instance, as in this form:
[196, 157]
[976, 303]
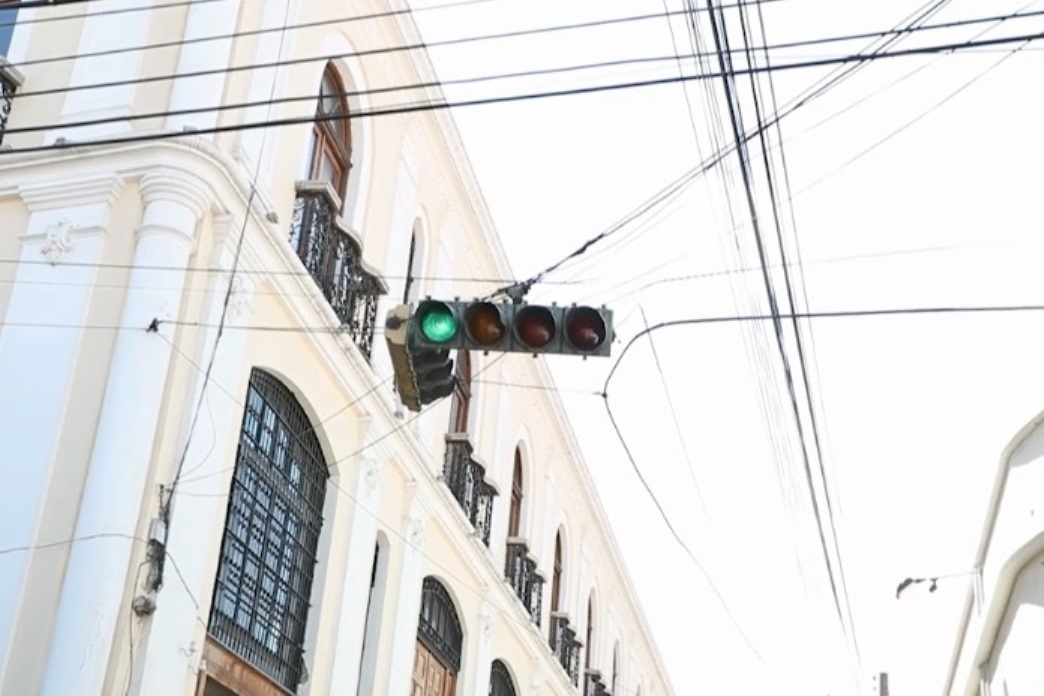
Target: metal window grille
[500, 681]
[439, 626]
[268, 553]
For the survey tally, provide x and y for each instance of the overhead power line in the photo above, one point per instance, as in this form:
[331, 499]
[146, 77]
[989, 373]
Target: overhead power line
[418, 107]
[341, 20]
[995, 19]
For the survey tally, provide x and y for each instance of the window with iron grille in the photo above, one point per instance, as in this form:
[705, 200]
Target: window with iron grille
[500, 681]
[439, 626]
[268, 553]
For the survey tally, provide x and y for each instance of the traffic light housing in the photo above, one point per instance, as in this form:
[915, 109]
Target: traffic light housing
[422, 374]
[512, 328]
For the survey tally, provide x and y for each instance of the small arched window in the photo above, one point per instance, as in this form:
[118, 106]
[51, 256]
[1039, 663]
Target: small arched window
[332, 134]
[440, 639]
[414, 262]
[500, 681]
[461, 408]
[556, 574]
[590, 632]
[268, 552]
[616, 658]
[515, 514]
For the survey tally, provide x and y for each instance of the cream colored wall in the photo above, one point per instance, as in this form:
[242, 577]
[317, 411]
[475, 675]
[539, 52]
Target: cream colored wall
[324, 371]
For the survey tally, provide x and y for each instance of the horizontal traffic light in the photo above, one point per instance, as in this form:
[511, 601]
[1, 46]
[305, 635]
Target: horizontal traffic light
[513, 328]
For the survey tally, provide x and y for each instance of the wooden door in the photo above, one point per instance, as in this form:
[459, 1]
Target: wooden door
[430, 676]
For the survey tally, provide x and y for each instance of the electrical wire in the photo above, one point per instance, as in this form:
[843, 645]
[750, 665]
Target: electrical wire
[325, 58]
[674, 532]
[419, 107]
[629, 62]
[47, 4]
[323, 23]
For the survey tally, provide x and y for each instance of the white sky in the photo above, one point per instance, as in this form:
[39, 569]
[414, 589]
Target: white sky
[914, 411]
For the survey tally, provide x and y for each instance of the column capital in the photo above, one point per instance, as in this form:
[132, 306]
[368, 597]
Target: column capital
[176, 186]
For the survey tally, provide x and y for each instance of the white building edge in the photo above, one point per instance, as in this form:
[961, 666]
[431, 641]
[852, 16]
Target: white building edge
[309, 538]
[1000, 638]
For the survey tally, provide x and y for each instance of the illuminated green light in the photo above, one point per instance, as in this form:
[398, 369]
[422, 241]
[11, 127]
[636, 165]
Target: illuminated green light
[438, 324]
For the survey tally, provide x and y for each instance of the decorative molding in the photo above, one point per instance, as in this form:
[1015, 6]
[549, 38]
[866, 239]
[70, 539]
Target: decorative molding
[486, 621]
[56, 241]
[415, 531]
[240, 302]
[536, 686]
[50, 194]
[371, 470]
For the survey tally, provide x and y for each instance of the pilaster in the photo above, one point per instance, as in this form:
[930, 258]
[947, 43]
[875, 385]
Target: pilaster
[40, 341]
[407, 610]
[121, 458]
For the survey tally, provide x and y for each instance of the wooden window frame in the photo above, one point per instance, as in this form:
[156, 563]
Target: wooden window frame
[327, 140]
[515, 511]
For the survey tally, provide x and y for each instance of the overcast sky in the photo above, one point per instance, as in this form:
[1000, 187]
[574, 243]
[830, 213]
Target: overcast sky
[915, 183]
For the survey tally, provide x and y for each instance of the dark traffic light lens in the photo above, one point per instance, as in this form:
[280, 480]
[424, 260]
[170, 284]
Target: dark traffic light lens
[534, 326]
[484, 324]
[437, 323]
[585, 328]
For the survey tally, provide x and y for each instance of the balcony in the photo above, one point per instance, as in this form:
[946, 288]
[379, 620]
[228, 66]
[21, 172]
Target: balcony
[521, 572]
[10, 81]
[565, 646]
[593, 684]
[333, 257]
[466, 480]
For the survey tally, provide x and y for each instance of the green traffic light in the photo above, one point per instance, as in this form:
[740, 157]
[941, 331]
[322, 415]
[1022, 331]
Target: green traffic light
[438, 324]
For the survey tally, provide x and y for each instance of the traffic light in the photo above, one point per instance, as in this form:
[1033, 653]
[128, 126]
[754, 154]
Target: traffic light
[512, 328]
[422, 374]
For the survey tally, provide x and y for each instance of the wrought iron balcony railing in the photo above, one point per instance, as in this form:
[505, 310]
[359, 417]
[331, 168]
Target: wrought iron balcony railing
[466, 480]
[10, 80]
[593, 684]
[520, 569]
[565, 646]
[334, 260]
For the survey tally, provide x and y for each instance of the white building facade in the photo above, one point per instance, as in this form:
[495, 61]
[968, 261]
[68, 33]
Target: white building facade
[998, 648]
[210, 487]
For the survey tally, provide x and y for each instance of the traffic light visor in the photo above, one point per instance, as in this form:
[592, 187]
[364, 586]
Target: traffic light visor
[484, 324]
[585, 329]
[436, 321]
[534, 326]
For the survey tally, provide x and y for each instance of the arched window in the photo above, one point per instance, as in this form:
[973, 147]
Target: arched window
[439, 642]
[590, 632]
[500, 681]
[556, 574]
[616, 659]
[515, 514]
[459, 412]
[414, 262]
[268, 553]
[332, 134]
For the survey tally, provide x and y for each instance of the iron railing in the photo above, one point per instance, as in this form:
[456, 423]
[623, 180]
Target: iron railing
[334, 260]
[593, 684]
[466, 480]
[565, 646]
[7, 92]
[521, 572]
